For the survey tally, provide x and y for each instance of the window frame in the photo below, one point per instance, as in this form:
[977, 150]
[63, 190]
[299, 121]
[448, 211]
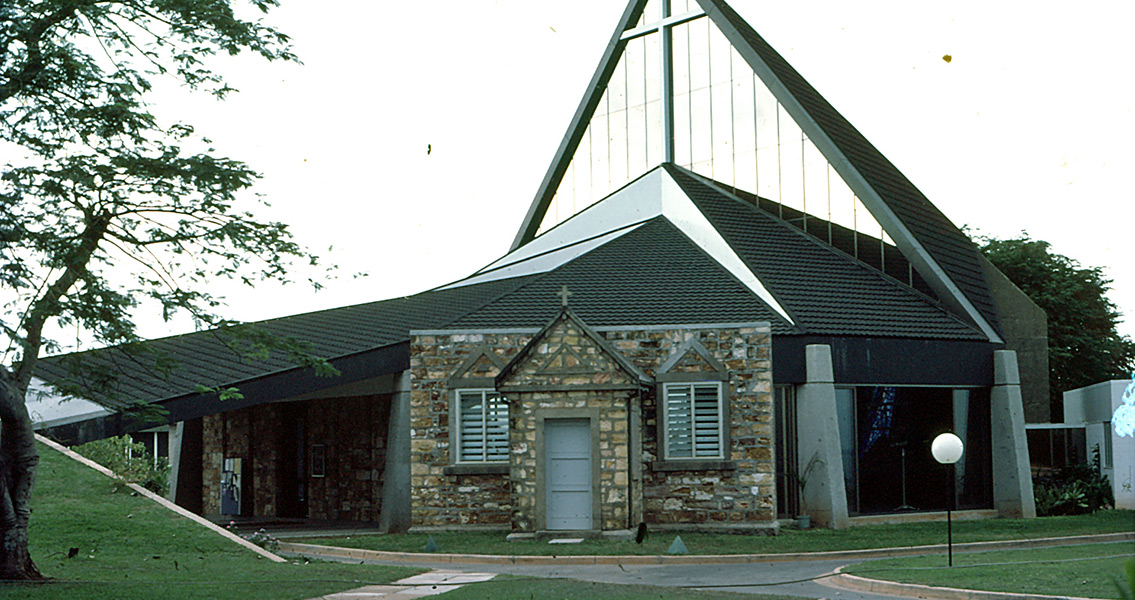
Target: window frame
[488, 395]
[670, 373]
[721, 437]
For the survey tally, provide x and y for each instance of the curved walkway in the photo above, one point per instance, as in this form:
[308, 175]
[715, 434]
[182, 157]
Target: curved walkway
[812, 574]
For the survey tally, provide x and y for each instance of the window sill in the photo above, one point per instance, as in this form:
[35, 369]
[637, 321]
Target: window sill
[477, 469]
[692, 465]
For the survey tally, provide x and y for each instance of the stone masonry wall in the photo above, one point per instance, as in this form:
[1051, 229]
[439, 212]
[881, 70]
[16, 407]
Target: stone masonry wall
[744, 494]
[555, 375]
[353, 432]
[614, 475]
[438, 498]
[732, 497]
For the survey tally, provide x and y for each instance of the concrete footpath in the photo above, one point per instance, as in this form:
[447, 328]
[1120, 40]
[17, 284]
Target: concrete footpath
[426, 584]
[810, 575]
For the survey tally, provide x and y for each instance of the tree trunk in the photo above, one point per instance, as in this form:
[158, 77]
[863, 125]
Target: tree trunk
[18, 460]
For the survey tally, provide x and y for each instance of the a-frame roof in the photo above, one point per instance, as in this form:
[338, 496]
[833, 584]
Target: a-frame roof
[657, 270]
[942, 255]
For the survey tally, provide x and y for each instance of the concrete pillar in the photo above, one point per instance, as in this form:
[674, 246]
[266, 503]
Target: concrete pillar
[395, 516]
[176, 432]
[821, 465]
[1012, 480]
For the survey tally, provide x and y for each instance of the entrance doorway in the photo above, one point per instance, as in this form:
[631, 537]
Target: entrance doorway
[568, 481]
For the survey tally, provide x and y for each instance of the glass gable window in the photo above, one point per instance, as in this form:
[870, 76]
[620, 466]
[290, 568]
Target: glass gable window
[693, 420]
[726, 124]
[482, 434]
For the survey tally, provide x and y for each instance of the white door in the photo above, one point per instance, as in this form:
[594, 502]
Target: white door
[567, 466]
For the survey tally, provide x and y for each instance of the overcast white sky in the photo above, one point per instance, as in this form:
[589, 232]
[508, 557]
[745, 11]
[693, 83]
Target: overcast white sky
[1029, 127]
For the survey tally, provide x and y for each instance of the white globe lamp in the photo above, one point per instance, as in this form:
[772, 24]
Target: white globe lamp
[947, 448]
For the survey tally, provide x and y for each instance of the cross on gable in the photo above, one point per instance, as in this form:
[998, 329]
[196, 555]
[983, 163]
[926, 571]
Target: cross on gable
[563, 294]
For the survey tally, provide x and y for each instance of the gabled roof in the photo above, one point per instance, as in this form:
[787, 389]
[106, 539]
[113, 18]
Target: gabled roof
[653, 275]
[656, 273]
[829, 292]
[944, 257]
[566, 315]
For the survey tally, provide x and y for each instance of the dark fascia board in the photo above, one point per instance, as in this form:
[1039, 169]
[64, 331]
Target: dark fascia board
[889, 361]
[578, 126]
[566, 313]
[913, 249]
[294, 382]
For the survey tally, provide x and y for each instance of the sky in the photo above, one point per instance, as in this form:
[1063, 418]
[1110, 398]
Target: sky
[1027, 128]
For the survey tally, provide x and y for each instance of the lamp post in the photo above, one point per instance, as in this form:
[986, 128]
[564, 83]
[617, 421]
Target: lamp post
[947, 449]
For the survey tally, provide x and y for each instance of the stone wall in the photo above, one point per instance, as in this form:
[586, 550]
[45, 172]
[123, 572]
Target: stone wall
[352, 431]
[353, 434]
[738, 492]
[743, 494]
[442, 495]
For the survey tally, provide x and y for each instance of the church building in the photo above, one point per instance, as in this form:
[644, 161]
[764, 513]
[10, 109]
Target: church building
[724, 307]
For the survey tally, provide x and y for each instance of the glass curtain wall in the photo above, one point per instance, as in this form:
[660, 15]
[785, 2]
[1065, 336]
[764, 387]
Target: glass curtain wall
[728, 126]
[894, 427]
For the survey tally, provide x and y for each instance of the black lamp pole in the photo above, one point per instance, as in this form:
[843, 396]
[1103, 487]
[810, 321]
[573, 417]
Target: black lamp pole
[947, 448]
[949, 519]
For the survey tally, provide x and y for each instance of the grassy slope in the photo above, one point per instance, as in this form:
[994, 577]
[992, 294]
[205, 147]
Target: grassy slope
[1050, 571]
[875, 536]
[130, 547]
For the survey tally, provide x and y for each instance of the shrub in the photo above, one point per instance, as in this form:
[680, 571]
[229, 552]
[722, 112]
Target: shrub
[1074, 490]
[130, 461]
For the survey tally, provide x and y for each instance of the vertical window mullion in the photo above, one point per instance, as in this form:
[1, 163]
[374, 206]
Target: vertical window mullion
[484, 426]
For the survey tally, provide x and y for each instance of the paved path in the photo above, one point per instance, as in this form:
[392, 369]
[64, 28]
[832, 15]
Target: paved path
[779, 574]
[425, 584]
[760, 578]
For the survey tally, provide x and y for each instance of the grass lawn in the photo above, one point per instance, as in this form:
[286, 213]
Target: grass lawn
[129, 547]
[523, 588]
[790, 540]
[1084, 571]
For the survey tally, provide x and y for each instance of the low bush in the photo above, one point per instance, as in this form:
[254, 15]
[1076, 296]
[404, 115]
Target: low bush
[130, 461]
[1073, 490]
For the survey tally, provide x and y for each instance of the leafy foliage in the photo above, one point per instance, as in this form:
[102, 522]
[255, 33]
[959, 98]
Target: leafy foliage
[1083, 345]
[105, 204]
[1074, 490]
[130, 461]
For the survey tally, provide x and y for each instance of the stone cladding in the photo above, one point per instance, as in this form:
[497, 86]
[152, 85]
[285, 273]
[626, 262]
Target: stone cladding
[443, 496]
[352, 432]
[735, 493]
[707, 499]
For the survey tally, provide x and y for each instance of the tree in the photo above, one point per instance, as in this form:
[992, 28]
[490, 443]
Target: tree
[104, 205]
[1083, 344]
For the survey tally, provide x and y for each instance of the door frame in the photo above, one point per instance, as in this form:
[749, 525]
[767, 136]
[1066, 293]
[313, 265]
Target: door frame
[592, 417]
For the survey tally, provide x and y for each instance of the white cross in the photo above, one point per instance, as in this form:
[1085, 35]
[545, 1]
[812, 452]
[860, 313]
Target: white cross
[563, 294]
[664, 28]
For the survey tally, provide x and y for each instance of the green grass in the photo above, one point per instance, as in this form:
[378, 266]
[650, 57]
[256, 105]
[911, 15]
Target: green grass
[790, 540]
[130, 547]
[523, 588]
[1050, 571]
